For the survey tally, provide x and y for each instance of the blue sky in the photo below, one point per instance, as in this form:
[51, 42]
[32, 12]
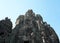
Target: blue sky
[48, 9]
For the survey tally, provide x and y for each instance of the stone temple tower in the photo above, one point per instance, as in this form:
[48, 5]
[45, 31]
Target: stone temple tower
[5, 29]
[30, 28]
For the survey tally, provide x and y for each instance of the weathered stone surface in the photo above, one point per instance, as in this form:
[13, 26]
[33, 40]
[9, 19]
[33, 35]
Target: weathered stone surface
[5, 29]
[30, 28]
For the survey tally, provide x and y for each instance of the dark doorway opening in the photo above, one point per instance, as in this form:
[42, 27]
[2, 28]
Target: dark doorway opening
[26, 41]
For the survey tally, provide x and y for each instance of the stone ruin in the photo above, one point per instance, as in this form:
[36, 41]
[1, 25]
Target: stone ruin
[5, 29]
[30, 28]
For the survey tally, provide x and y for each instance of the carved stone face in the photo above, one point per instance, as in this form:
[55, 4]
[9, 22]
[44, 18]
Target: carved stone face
[5, 28]
[25, 33]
